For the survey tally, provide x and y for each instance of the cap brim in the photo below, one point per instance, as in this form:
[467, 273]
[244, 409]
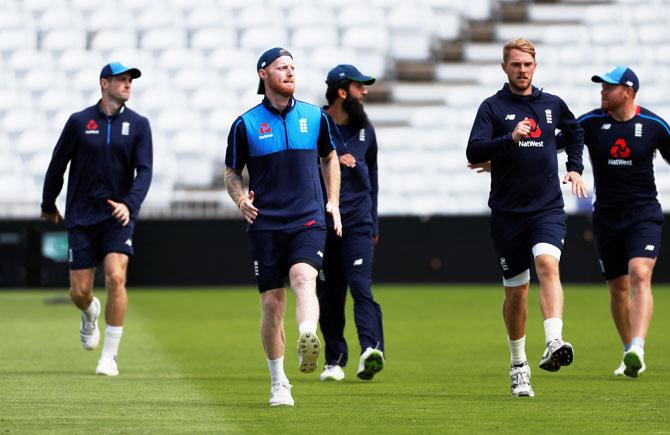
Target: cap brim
[366, 80]
[134, 73]
[604, 79]
[261, 87]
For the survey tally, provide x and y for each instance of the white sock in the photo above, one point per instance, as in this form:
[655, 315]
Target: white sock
[112, 339]
[517, 350]
[307, 326]
[90, 312]
[277, 374]
[553, 329]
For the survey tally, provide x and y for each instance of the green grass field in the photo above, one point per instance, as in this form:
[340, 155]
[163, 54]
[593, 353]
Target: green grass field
[191, 362]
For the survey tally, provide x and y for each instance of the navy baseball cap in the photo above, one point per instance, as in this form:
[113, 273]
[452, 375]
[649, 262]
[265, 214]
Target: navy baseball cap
[116, 68]
[348, 72]
[619, 75]
[266, 59]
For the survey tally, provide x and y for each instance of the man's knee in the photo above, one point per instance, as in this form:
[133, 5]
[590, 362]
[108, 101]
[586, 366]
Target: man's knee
[273, 303]
[302, 275]
[115, 280]
[546, 267]
[640, 274]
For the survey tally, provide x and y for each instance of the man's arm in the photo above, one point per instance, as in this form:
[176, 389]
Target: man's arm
[482, 146]
[143, 172]
[330, 167]
[371, 160]
[235, 188]
[53, 180]
[573, 139]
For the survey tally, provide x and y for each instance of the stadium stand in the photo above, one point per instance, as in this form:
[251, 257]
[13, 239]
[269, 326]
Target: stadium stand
[436, 60]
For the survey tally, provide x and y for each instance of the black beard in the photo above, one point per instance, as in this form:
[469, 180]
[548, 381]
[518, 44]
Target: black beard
[354, 109]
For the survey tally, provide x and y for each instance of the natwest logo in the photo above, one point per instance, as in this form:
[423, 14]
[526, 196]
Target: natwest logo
[265, 128]
[535, 130]
[92, 127]
[620, 149]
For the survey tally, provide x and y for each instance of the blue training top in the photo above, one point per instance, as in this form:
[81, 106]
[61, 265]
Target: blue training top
[622, 155]
[110, 158]
[280, 150]
[524, 175]
[359, 185]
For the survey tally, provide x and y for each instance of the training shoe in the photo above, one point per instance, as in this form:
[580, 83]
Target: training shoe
[371, 362]
[107, 366]
[280, 395]
[634, 362]
[558, 353]
[332, 373]
[89, 334]
[520, 376]
[309, 347]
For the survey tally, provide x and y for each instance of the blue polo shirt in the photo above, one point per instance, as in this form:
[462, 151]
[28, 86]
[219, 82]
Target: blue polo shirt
[280, 151]
[622, 156]
[524, 175]
[110, 157]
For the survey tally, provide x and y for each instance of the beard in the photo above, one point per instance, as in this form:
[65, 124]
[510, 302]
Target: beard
[286, 90]
[354, 109]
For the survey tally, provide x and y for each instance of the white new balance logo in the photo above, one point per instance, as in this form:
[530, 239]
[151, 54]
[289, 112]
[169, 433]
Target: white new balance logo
[606, 126]
[358, 262]
[510, 117]
[649, 248]
[129, 243]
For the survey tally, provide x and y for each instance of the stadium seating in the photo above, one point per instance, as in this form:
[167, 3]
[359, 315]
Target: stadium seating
[198, 59]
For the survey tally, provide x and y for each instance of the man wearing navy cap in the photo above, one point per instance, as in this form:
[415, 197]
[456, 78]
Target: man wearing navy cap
[348, 259]
[109, 150]
[622, 139]
[279, 141]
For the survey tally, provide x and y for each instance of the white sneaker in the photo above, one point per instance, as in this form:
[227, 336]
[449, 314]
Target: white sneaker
[558, 353]
[634, 362]
[332, 373]
[309, 347]
[371, 362]
[520, 376]
[89, 333]
[107, 366]
[280, 395]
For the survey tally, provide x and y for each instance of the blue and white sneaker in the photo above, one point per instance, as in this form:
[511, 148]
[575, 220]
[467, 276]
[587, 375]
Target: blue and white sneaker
[557, 354]
[520, 377]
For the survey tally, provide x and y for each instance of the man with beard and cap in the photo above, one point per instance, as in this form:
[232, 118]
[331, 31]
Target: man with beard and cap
[108, 148]
[278, 141]
[622, 139]
[514, 130]
[348, 259]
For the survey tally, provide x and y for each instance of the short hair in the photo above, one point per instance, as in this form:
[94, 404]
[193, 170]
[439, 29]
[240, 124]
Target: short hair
[331, 91]
[520, 44]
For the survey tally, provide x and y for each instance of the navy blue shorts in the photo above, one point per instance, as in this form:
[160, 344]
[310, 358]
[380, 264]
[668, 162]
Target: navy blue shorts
[273, 253]
[515, 234]
[89, 245]
[624, 234]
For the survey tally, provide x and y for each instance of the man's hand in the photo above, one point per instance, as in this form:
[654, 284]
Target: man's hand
[53, 217]
[578, 186]
[521, 130]
[480, 167]
[334, 210]
[246, 206]
[120, 211]
[348, 160]
[375, 240]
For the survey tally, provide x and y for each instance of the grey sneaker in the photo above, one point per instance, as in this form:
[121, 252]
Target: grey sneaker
[520, 377]
[558, 353]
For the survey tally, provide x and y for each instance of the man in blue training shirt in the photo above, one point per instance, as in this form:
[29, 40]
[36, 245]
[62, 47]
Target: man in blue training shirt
[348, 259]
[622, 139]
[109, 149]
[514, 130]
[279, 141]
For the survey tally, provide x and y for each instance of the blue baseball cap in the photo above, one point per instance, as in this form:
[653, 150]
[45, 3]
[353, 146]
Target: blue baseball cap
[115, 68]
[348, 72]
[619, 75]
[266, 59]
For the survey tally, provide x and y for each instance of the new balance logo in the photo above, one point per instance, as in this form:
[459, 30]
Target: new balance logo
[510, 117]
[606, 126]
[358, 262]
[129, 243]
[649, 248]
[319, 253]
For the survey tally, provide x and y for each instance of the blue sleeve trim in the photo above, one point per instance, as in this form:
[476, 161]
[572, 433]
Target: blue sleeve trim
[585, 117]
[660, 121]
[235, 142]
[330, 136]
